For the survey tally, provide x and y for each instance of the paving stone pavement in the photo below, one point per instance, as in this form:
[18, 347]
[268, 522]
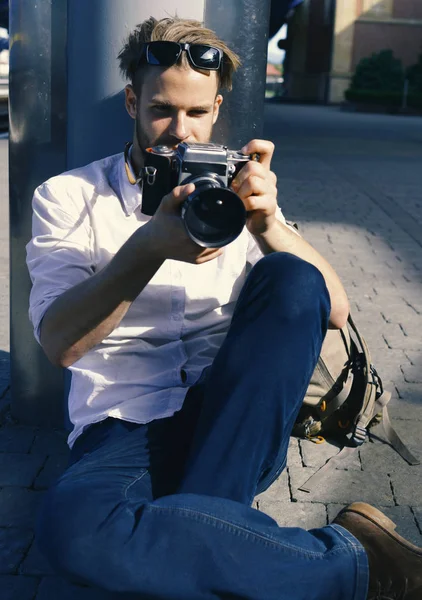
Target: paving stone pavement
[353, 184]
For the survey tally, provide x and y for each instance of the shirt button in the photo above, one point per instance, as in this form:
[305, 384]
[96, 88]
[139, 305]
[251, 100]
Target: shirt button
[183, 375]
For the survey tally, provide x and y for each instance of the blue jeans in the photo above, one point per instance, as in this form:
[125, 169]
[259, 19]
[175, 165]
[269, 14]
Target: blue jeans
[163, 510]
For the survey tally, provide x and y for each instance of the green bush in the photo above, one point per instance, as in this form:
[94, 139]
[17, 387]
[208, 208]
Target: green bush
[379, 72]
[388, 99]
[414, 75]
[374, 97]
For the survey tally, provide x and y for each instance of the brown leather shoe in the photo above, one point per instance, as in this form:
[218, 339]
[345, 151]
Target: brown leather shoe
[395, 565]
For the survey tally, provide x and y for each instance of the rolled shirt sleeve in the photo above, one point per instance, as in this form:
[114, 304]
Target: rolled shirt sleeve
[59, 255]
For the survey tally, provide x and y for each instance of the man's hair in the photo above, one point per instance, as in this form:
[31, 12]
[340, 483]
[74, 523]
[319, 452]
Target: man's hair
[173, 30]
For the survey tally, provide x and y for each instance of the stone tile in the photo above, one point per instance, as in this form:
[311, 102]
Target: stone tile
[19, 469]
[400, 314]
[409, 406]
[375, 341]
[279, 490]
[18, 507]
[295, 514]
[14, 543]
[53, 468]
[293, 455]
[381, 458]
[55, 588]
[333, 510]
[410, 434]
[50, 441]
[343, 486]
[388, 384]
[397, 340]
[316, 455]
[18, 588]
[378, 455]
[412, 374]
[417, 511]
[415, 356]
[16, 438]
[387, 360]
[402, 516]
[407, 485]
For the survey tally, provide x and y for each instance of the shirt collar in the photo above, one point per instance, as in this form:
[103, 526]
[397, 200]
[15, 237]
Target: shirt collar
[130, 193]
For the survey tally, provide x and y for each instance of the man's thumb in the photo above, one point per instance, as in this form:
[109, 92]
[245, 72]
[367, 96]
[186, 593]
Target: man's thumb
[177, 196]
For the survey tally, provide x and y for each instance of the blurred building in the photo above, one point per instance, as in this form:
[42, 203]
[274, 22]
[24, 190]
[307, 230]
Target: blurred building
[327, 38]
[274, 82]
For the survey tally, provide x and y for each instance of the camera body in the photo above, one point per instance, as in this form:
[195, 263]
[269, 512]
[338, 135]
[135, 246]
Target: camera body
[165, 168]
[213, 214]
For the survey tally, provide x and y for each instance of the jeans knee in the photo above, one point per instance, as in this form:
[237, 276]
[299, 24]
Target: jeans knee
[292, 285]
[289, 271]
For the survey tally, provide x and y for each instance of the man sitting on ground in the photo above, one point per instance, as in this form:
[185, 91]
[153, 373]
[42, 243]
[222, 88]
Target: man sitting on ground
[189, 366]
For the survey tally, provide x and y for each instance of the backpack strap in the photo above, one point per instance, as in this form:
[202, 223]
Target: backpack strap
[315, 479]
[394, 439]
[366, 413]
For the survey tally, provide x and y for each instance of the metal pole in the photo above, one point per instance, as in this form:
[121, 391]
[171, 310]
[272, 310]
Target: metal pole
[244, 25]
[66, 109]
[37, 149]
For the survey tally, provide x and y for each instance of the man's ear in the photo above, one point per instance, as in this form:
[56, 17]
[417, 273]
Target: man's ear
[130, 101]
[217, 103]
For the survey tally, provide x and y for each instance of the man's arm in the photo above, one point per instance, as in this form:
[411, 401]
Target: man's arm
[256, 185]
[280, 238]
[87, 313]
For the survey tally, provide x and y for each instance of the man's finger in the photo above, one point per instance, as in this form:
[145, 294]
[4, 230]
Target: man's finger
[264, 148]
[207, 256]
[176, 197]
[253, 186]
[250, 169]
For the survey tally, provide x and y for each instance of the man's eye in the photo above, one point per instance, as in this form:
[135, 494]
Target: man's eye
[198, 113]
[160, 109]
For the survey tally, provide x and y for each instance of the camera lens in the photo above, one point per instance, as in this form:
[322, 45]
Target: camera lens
[213, 216]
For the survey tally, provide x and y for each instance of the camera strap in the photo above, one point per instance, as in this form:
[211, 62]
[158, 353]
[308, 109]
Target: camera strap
[129, 170]
[147, 173]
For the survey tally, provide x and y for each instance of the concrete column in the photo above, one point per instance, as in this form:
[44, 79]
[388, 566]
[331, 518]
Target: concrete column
[344, 23]
[296, 78]
[377, 8]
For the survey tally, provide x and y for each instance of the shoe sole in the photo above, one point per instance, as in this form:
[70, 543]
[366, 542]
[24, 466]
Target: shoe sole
[381, 520]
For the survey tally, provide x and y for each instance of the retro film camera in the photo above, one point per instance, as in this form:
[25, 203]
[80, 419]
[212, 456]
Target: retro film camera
[213, 215]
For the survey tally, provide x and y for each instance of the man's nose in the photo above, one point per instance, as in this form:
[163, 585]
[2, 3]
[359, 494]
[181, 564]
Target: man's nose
[178, 127]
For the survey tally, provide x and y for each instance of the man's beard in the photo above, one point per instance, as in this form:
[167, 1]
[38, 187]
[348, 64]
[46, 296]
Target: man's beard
[142, 138]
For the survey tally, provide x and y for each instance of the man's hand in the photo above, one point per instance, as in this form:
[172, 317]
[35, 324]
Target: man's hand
[256, 185]
[168, 235]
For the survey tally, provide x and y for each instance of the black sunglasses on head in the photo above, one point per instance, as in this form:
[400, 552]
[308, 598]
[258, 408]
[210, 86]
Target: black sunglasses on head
[166, 54]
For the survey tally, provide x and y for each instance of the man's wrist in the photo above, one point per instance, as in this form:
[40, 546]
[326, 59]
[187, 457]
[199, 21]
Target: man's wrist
[137, 255]
[267, 228]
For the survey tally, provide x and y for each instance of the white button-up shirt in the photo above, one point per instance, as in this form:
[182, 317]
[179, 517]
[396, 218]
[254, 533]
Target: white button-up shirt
[174, 328]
